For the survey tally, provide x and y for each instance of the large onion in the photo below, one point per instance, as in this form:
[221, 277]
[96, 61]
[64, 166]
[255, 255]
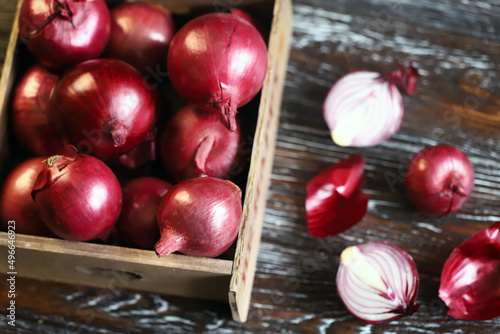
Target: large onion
[63, 33]
[103, 107]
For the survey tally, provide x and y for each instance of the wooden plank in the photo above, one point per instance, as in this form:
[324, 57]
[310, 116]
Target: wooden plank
[111, 267]
[247, 246]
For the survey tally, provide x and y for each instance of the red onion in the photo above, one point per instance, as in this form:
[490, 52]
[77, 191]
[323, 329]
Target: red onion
[138, 223]
[439, 180]
[199, 217]
[195, 143]
[335, 199]
[378, 282]
[77, 196]
[256, 23]
[365, 108]
[63, 33]
[140, 35]
[30, 120]
[218, 62]
[15, 199]
[470, 281]
[103, 107]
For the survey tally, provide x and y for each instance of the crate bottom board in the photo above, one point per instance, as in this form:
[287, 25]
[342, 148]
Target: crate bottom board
[113, 267]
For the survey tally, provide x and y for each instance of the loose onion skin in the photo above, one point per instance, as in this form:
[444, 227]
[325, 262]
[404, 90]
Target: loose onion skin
[140, 35]
[103, 107]
[378, 282]
[439, 180]
[199, 217]
[138, 224]
[471, 275]
[218, 62]
[77, 196]
[32, 126]
[15, 199]
[195, 143]
[63, 33]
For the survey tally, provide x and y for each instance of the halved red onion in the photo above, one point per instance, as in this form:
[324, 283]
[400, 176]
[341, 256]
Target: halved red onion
[470, 280]
[378, 282]
[364, 108]
[335, 199]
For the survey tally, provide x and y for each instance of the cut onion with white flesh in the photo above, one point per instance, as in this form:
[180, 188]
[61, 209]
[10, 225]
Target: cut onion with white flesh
[377, 282]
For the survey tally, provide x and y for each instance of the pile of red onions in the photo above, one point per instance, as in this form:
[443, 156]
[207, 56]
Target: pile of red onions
[439, 180]
[378, 282]
[218, 62]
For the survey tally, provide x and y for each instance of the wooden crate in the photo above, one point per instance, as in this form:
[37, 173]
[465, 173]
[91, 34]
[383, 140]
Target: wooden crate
[112, 267]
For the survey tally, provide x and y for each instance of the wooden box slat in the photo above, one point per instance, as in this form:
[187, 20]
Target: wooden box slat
[112, 267]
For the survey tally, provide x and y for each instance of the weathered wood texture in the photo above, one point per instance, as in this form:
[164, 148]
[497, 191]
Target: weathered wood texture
[456, 45]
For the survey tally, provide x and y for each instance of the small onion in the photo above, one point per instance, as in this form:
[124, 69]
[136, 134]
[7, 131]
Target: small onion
[140, 35]
[15, 199]
[32, 126]
[195, 143]
[77, 196]
[365, 108]
[335, 199]
[378, 282]
[439, 180]
[470, 280]
[199, 217]
[138, 223]
[218, 62]
[103, 107]
[63, 33]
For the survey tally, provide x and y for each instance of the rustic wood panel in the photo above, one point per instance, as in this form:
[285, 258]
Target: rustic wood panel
[456, 45]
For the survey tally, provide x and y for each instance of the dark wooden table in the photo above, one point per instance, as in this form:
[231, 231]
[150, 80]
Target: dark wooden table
[456, 45]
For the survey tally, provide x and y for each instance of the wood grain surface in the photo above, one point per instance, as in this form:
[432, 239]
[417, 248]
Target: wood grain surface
[456, 46]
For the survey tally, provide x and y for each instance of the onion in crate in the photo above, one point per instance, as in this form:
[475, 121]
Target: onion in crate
[77, 196]
[103, 107]
[195, 143]
[63, 33]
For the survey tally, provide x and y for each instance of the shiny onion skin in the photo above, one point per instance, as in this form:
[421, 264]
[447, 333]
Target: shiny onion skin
[364, 108]
[378, 282]
[15, 199]
[32, 126]
[470, 279]
[256, 23]
[63, 33]
[199, 217]
[103, 107]
[218, 62]
[138, 223]
[439, 180]
[77, 196]
[140, 35]
[335, 199]
[195, 143]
